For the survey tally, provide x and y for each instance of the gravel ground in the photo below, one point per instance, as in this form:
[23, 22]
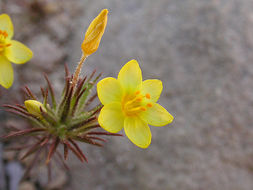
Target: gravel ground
[202, 51]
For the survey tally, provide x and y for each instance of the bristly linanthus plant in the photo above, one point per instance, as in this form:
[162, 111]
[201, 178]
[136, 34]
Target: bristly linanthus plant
[65, 120]
[128, 102]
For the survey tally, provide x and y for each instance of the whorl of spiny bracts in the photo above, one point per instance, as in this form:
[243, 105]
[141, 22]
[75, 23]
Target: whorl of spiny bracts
[63, 122]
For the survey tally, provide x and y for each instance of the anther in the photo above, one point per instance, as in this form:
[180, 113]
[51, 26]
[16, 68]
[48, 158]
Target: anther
[143, 109]
[147, 96]
[137, 92]
[4, 33]
[139, 99]
[149, 105]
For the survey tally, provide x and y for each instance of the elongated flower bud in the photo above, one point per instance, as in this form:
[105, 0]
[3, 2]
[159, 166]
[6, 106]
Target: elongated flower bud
[94, 33]
[34, 106]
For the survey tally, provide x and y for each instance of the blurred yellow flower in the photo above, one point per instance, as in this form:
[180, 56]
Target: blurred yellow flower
[10, 51]
[94, 33]
[33, 107]
[130, 103]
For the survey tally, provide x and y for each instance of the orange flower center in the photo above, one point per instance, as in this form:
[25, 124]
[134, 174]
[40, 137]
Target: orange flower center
[135, 103]
[3, 44]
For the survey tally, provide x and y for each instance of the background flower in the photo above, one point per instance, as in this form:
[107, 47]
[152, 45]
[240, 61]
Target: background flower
[10, 51]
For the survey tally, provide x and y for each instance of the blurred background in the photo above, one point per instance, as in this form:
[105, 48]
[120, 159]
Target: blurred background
[202, 50]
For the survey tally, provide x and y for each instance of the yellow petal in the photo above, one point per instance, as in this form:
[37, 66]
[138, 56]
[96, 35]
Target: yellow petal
[137, 131]
[34, 106]
[111, 117]
[157, 115]
[130, 76]
[6, 72]
[109, 90]
[94, 33]
[18, 53]
[153, 87]
[6, 25]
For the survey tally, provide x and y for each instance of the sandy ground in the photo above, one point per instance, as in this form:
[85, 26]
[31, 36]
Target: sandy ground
[202, 51]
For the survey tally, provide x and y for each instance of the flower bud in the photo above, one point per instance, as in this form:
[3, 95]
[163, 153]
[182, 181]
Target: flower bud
[33, 107]
[94, 33]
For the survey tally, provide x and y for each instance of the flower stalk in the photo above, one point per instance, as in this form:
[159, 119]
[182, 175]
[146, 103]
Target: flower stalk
[78, 70]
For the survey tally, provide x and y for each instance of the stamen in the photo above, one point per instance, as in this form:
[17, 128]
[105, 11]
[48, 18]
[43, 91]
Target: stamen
[2, 46]
[135, 110]
[148, 96]
[133, 106]
[149, 105]
[136, 99]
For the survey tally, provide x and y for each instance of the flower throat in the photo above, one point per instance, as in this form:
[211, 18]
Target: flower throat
[135, 104]
[3, 36]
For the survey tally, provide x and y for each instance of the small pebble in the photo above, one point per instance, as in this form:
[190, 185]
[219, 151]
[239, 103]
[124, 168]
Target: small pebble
[26, 185]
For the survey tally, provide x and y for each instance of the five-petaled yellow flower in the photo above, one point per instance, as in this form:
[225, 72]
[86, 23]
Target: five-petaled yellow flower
[130, 103]
[10, 51]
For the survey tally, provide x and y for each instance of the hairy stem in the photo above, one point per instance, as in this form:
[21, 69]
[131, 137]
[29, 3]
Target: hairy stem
[78, 70]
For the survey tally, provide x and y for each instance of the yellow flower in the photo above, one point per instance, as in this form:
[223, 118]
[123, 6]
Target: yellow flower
[130, 103]
[10, 51]
[94, 33]
[33, 107]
